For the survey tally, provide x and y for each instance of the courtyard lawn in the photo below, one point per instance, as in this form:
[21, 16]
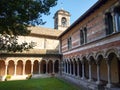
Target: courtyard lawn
[37, 84]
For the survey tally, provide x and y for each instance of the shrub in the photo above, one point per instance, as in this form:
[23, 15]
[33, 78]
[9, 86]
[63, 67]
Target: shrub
[29, 76]
[8, 77]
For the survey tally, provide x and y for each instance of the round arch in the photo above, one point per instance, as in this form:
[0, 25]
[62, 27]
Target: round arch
[36, 67]
[56, 66]
[19, 70]
[28, 67]
[86, 66]
[80, 66]
[115, 67]
[43, 66]
[50, 66]
[11, 67]
[115, 51]
[103, 67]
[2, 67]
[93, 67]
[75, 66]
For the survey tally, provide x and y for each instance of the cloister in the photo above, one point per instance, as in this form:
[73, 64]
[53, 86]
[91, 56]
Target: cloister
[101, 68]
[25, 66]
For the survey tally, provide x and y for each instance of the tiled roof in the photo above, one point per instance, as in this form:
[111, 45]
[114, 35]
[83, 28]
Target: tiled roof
[34, 51]
[45, 31]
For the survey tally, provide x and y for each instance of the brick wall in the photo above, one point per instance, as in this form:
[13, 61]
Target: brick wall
[95, 24]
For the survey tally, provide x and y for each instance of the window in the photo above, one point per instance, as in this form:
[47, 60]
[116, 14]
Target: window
[117, 19]
[56, 23]
[109, 23]
[81, 37]
[85, 35]
[64, 21]
[69, 43]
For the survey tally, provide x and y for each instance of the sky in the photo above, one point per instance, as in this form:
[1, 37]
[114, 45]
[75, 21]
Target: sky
[75, 7]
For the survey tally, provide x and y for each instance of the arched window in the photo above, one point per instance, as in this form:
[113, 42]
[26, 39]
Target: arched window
[64, 21]
[69, 43]
[81, 37]
[85, 35]
[56, 23]
[109, 23]
[117, 18]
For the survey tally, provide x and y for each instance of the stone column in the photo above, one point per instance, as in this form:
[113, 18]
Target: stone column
[109, 73]
[15, 68]
[90, 71]
[73, 68]
[46, 67]
[32, 64]
[83, 71]
[98, 74]
[53, 67]
[78, 69]
[63, 67]
[67, 68]
[70, 69]
[6, 68]
[24, 68]
[39, 68]
[59, 68]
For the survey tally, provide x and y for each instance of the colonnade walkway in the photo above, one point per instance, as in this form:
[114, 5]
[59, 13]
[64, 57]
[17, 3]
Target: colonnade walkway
[21, 69]
[93, 72]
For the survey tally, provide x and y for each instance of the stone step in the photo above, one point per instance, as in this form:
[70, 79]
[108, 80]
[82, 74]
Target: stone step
[41, 76]
[18, 77]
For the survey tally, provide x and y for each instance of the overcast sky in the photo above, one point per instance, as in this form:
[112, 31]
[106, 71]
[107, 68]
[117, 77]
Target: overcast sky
[75, 7]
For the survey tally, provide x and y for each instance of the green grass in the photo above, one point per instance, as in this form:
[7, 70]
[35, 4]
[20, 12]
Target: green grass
[37, 84]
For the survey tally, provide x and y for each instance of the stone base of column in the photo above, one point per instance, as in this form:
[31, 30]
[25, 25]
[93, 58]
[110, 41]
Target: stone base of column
[83, 78]
[109, 85]
[90, 80]
[78, 77]
[98, 82]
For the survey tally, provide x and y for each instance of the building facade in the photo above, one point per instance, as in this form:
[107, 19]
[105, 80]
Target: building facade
[91, 47]
[61, 20]
[43, 59]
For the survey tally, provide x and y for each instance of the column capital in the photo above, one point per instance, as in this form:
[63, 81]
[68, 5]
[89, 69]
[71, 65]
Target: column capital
[24, 63]
[39, 63]
[98, 62]
[89, 62]
[6, 63]
[15, 63]
[82, 61]
[108, 61]
[53, 61]
[32, 62]
[118, 56]
[46, 62]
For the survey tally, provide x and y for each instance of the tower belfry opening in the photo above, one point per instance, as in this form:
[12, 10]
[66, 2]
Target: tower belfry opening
[61, 19]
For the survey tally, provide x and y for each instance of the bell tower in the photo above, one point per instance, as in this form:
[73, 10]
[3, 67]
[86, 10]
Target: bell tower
[61, 20]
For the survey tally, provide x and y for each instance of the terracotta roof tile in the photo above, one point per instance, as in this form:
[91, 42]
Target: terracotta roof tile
[45, 31]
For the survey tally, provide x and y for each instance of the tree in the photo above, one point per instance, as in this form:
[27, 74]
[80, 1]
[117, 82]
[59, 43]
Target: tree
[17, 15]
[9, 44]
